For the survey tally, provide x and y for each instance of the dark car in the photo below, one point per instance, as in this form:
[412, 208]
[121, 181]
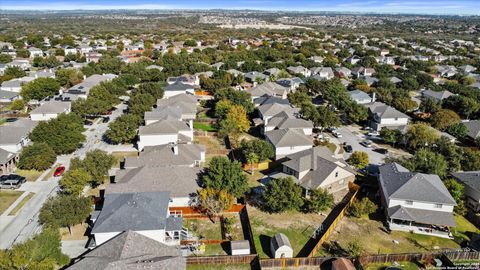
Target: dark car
[348, 148]
[59, 171]
[105, 120]
[381, 151]
[12, 181]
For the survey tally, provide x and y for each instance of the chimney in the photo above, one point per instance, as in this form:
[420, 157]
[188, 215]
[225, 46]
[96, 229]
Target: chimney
[374, 97]
[175, 149]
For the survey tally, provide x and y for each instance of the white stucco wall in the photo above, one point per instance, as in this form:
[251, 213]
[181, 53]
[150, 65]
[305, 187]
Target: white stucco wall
[286, 251]
[281, 152]
[393, 122]
[43, 117]
[421, 205]
[158, 235]
[101, 238]
[152, 140]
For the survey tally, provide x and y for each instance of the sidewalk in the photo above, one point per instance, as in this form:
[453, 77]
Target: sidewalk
[14, 204]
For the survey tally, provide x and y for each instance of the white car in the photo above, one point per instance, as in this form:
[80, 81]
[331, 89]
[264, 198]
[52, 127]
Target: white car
[337, 134]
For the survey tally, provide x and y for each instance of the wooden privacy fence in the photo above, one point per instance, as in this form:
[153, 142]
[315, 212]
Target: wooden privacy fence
[348, 200]
[388, 258]
[237, 259]
[292, 262]
[192, 212]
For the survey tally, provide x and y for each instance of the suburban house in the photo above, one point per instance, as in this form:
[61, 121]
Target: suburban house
[24, 64]
[182, 107]
[145, 213]
[290, 83]
[34, 52]
[305, 72]
[361, 97]
[269, 88]
[343, 72]
[288, 141]
[280, 246]
[415, 202]
[8, 96]
[269, 110]
[382, 115]
[322, 73]
[283, 120]
[131, 250]
[438, 96]
[15, 85]
[178, 88]
[180, 181]
[473, 128]
[188, 155]
[164, 132]
[82, 89]
[268, 99]
[254, 77]
[15, 135]
[316, 168]
[471, 183]
[8, 161]
[50, 109]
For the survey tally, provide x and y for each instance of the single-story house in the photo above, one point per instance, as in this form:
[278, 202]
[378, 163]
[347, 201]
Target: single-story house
[361, 97]
[50, 109]
[178, 88]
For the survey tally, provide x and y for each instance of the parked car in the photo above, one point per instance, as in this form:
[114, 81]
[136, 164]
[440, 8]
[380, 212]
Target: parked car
[366, 143]
[373, 133]
[337, 134]
[12, 181]
[348, 148]
[59, 171]
[105, 119]
[381, 151]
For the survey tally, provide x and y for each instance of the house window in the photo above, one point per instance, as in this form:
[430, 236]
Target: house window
[409, 202]
[439, 205]
[292, 147]
[336, 174]
[341, 182]
[396, 118]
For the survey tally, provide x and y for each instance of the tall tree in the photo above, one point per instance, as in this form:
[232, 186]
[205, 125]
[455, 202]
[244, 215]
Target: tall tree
[123, 129]
[282, 194]
[38, 156]
[214, 201]
[65, 211]
[39, 89]
[74, 181]
[227, 175]
[420, 135]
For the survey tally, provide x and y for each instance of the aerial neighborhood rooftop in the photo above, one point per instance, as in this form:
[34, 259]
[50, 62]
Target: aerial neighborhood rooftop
[288, 147]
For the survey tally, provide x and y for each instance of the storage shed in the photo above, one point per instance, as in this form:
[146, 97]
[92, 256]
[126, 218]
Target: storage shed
[280, 246]
[239, 247]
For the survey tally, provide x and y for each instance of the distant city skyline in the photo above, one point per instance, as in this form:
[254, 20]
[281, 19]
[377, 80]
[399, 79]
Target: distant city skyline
[450, 7]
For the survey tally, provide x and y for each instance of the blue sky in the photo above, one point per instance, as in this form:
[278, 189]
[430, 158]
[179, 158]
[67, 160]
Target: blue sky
[384, 6]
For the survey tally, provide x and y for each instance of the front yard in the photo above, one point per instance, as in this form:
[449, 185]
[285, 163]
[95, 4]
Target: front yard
[30, 175]
[370, 233]
[7, 197]
[298, 227]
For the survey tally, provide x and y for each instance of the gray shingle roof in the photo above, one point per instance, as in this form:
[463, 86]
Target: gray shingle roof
[5, 156]
[384, 111]
[283, 121]
[437, 95]
[52, 107]
[287, 137]
[399, 183]
[164, 127]
[178, 181]
[163, 155]
[268, 99]
[275, 108]
[473, 127]
[470, 179]
[269, 88]
[14, 132]
[178, 86]
[8, 94]
[133, 211]
[421, 216]
[131, 250]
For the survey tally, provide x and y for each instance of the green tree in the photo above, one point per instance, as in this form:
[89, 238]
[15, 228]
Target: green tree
[235, 123]
[261, 148]
[429, 162]
[5, 58]
[361, 208]
[282, 194]
[358, 159]
[456, 189]
[123, 129]
[74, 181]
[65, 211]
[14, 72]
[39, 89]
[63, 134]
[42, 252]
[140, 103]
[420, 135]
[391, 136]
[153, 88]
[38, 156]
[354, 249]
[459, 130]
[227, 175]
[97, 163]
[241, 98]
[68, 77]
[320, 200]
[17, 105]
[444, 118]
[298, 98]
[429, 105]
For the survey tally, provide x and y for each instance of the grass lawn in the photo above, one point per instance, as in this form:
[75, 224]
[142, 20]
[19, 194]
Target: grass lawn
[21, 204]
[219, 267]
[236, 232]
[213, 250]
[381, 266]
[2, 121]
[253, 179]
[119, 156]
[203, 228]
[78, 232]
[7, 197]
[463, 228]
[370, 233]
[204, 126]
[298, 227]
[30, 175]
[212, 143]
[331, 146]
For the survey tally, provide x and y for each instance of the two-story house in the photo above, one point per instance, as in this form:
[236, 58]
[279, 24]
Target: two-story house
[317, 168]
[415, 202]
[288, 141]
[471, 182]
[382, 115]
